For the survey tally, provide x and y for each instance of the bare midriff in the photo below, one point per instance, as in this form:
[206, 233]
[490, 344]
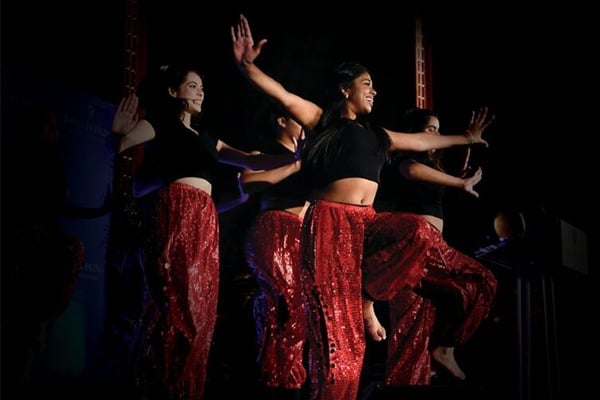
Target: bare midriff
[357, 191]
[437, 222]
[199, 183]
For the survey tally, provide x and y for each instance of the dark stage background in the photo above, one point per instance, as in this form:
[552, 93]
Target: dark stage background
[537, 70]
[534, 68]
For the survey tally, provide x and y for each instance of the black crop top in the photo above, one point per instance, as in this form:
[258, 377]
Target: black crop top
[360, 156]
[398, 193]
[181, 153]
[289, 188]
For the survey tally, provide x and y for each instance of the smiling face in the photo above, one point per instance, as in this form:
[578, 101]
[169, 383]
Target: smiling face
[360, 96]
[192, 90]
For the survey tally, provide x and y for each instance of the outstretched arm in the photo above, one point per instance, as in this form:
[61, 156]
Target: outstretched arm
[424, 141]
[253, 160]
[245, 51]
[414, 170]
[255, 181]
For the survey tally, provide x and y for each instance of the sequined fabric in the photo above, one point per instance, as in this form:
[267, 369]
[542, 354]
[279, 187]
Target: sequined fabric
[461, 287]
[455, 292]
[396, 247]
[182, 269]
[411, 319]
[273, 254]
[332, 251]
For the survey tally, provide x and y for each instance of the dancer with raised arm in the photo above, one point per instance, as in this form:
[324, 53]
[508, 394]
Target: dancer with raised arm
[182, 239]
[342, 162]
[456, 293]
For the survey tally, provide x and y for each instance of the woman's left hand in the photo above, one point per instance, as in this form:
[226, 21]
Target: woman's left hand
[126, 116]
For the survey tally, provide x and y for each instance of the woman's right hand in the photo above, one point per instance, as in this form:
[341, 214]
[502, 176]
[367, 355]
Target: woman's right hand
[471, 181]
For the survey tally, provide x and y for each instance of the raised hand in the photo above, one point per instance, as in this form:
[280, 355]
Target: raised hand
[478, 123]
[244, 50]
[126, 116]
[471, 181]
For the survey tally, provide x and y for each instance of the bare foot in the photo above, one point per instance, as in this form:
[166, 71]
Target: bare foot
[374, 329]
[445, 357]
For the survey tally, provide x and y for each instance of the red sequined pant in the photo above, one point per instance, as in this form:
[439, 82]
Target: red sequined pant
[445, 308]
[273, 254]
[332, 251]
[182, 268]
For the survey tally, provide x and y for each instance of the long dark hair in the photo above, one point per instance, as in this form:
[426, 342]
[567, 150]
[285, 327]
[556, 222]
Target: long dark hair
[325, 144]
